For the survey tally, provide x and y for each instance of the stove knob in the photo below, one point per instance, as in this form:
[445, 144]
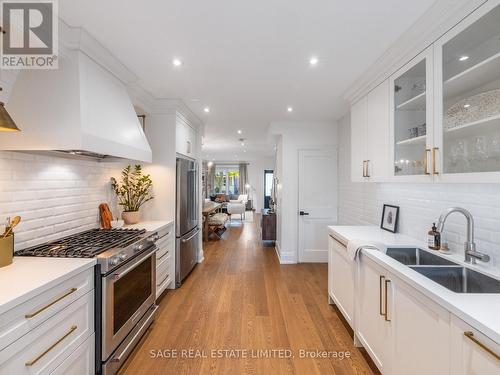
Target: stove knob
[113, 261]
[122, 256]
[138, 247]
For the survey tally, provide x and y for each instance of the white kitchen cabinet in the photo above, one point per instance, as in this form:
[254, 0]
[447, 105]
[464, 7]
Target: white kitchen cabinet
[165, 256]
[45, 347]
[81, 361]
[467, 105]
[411, 120]
[472, 353]
[185, 137]
[370, 136]
[358, 140]
[403, 331]
[373, 328]
[341, 275]
[420, 332]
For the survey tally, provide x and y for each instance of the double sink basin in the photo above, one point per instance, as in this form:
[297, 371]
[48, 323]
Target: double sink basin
[449, 274]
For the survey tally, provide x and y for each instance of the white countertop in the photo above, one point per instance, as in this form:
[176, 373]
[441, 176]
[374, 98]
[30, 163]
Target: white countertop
[481, 311]
[150, 226]
[28, 276]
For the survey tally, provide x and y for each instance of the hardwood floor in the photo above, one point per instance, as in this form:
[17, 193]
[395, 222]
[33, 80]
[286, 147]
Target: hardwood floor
[241, 298]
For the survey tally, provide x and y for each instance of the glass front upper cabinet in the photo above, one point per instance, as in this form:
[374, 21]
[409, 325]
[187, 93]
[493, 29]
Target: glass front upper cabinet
[411, 118]
[469, 107]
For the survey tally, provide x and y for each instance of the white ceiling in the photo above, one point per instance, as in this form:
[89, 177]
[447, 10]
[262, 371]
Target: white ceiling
[247, 60]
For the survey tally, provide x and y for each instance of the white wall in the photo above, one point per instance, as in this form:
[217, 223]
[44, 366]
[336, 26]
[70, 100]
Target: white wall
[256, 170]
[420, 205]
[54, 196]
[293, 137]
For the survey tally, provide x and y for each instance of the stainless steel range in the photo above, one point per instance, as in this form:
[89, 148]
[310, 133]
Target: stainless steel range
[125, 286]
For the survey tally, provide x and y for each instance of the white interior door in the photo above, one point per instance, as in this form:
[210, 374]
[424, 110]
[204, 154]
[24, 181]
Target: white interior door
[317, 202]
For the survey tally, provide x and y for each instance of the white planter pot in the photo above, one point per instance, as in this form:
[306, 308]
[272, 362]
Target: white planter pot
[131, 217]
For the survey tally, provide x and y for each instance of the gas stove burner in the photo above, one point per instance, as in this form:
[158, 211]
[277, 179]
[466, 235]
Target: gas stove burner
[84, 245]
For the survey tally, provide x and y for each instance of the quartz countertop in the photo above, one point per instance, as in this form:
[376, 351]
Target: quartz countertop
[27, 277]
[150, 226]
[478, 310]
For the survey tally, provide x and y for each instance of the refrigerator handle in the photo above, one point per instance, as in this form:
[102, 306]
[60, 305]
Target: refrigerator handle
[184, 240]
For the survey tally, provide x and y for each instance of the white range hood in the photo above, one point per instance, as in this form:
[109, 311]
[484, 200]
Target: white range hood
[80, 108]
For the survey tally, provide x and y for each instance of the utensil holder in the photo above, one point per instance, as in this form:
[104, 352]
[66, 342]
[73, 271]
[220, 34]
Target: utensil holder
[6, 250]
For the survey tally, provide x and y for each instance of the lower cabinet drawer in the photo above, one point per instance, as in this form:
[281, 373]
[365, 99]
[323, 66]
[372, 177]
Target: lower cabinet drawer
[23, 318]
[44, 348]
[163, 252]
[81, 361]
[163, 275]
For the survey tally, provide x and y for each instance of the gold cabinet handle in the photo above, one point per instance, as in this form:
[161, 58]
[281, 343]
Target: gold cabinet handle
[434, 171]
[470, 336]
[164, 255]
[35, 360]
[33, 314]
[161, 282]
[385, 315]
[381, 312]
[364, 173]
[367, 168]
[426, 161]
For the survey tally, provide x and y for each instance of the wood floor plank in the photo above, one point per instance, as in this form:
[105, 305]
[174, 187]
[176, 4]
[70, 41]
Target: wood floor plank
[241, 298]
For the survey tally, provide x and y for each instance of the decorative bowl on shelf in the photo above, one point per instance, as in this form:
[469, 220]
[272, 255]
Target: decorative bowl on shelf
[475, 108]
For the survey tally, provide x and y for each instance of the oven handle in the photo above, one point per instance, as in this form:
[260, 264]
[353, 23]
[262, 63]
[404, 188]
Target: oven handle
[148, 253]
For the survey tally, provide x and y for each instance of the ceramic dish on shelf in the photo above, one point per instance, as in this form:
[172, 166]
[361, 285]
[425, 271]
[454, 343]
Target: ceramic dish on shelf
[472, 109]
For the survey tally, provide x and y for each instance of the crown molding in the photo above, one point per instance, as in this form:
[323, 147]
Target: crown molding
[436, 21]
[179, 108]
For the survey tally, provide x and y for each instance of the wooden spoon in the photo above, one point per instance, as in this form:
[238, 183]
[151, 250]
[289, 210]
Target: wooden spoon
[13, 223]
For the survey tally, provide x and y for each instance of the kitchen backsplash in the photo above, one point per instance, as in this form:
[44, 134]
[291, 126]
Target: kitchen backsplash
[54, 196]
[420, 205]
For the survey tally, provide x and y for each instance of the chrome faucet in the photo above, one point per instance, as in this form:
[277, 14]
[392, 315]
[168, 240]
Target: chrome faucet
[469, 246]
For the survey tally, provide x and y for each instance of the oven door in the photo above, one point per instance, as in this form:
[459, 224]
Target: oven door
[127, 293]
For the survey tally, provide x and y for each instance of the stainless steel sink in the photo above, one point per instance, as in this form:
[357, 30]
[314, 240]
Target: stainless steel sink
[411, 256]
[460, 279]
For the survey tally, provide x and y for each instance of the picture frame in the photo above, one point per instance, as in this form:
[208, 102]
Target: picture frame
[390, 218]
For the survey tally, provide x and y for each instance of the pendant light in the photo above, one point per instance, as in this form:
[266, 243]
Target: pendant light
[6, 122]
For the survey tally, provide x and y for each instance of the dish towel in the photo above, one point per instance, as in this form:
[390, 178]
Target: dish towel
[355, 246]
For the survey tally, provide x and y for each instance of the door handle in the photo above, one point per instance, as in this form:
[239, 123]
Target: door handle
[386, 282]
[434, 170]
[302, 213]
[184, 240]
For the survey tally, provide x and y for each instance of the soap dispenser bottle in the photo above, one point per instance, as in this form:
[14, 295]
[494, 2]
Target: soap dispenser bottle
[434, 238]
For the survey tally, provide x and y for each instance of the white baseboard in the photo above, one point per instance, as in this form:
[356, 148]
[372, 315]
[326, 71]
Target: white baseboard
[284, 258]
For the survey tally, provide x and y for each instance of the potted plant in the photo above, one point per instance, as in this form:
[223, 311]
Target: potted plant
[133, 191]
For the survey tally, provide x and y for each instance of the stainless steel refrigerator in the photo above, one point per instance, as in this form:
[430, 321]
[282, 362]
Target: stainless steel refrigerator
[187, 219]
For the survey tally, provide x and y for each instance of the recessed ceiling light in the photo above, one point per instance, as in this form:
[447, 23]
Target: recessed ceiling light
[243, 144]
[289, 109]
[206, 109]
[463, 58]
[313, 61]
[239, 132]
[176, 62]
[466, 105]
[210, 163]
[244, 150]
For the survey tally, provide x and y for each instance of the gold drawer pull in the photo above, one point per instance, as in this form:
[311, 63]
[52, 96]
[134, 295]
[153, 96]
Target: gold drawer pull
[426, 161]
[163, 255]
[385, 315]
[470, 336]
[31, 315]
[381, 312]
[161, 282]
[33, 361]
[434, 170]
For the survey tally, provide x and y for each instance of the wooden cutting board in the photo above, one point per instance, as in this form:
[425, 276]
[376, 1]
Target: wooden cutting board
[106, 216]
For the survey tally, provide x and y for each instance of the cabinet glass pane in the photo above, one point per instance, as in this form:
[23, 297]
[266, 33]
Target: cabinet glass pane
[471, 98]
[410, 121]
